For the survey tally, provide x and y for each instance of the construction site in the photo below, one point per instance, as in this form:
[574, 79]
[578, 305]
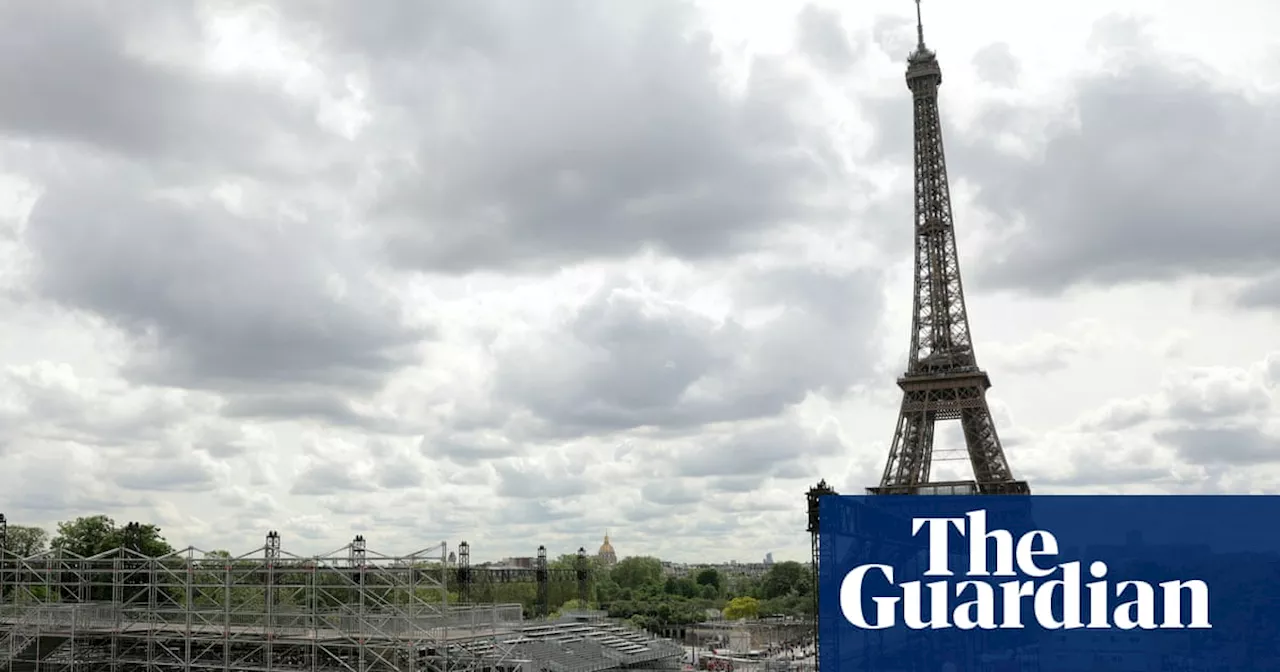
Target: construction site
[352, 609]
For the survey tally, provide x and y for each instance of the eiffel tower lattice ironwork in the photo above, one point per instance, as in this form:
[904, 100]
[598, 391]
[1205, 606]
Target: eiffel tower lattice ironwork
[943, 380]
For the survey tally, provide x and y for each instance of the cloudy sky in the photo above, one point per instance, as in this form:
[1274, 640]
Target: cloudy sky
[517, 272]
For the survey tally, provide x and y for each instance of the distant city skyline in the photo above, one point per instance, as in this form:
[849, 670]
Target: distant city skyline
[607, 551]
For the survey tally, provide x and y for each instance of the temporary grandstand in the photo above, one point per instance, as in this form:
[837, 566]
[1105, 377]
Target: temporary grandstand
[353, 610]
[582, 644]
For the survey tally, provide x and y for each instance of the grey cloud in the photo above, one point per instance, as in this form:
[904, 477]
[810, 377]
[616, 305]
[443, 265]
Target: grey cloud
[670, 493]
[1120, 33]
[753, 452]
[1037, 357]
[619, 367]
[327, 476]
[794, 470]
[1191, 396]
[822, 38]
[59, 501]
[390, 30]
[1263, 293]
[1167, 174]
[1238, 446]
[45, 487]
[1121, 414]
[78, 72]
[222, 442]
[623, 363]
[327, 407]
[1207, 396]
[480, 474]
[894, 35]
[996, 65]
[469, 448]
[547, 479]
[396, 467]
[181, 474]
[399, 472]
[333, 409]
[645, 511]
[216, 301]
[703, 528]
[736, 484]
[250, 499]
[577, 130]
[54, 405]
[521, 511]
[307, 529]
[1106, 460]
[891, 114]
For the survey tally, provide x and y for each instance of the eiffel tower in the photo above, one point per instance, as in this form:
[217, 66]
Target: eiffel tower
[943, 380]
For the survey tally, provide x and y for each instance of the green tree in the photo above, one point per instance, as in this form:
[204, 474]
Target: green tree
[25, 541]
[683, 587]
[572, 605]
[637, 573]
[91, 535]
[570, 561]
[742, 607]
[709, 577]
[607, 591]
[784, 578]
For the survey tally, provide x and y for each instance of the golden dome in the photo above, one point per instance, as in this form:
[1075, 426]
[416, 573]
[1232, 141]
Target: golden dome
[606, 553]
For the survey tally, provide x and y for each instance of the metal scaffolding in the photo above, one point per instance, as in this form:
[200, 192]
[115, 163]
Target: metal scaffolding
[352, 609]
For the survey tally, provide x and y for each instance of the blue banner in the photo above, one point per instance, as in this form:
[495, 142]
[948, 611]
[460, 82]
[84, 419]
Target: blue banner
[1049, 584]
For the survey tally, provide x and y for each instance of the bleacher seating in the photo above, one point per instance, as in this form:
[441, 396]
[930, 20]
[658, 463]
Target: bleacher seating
[572, 645]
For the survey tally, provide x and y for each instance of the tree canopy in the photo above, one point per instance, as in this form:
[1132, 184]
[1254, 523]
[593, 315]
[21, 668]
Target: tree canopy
[742, 607]
[25, 541]
[708, 577]
[637, 572]
[91, 535]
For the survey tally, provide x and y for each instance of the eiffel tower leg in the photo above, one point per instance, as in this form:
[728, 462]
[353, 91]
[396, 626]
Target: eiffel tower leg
[983, 444]
[911, 456]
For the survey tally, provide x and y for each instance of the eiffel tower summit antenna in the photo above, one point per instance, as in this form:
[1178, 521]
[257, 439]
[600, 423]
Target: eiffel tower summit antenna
[919, 29]
[943, 380]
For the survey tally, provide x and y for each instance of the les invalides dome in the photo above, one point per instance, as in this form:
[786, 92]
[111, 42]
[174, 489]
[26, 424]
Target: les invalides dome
[606, 554]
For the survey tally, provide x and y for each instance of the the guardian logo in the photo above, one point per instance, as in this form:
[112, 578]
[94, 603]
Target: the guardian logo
[1054, 603]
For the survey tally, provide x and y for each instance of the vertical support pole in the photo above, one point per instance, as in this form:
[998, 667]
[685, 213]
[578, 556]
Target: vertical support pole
[117, 611]
[358, 559]
[314, 583]
[584, 576]
[814, 498]
[446, 613]
[464, 572]
[4, 557]
[226, 613]
[542, 576]
[270, 557]
[189, 603]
